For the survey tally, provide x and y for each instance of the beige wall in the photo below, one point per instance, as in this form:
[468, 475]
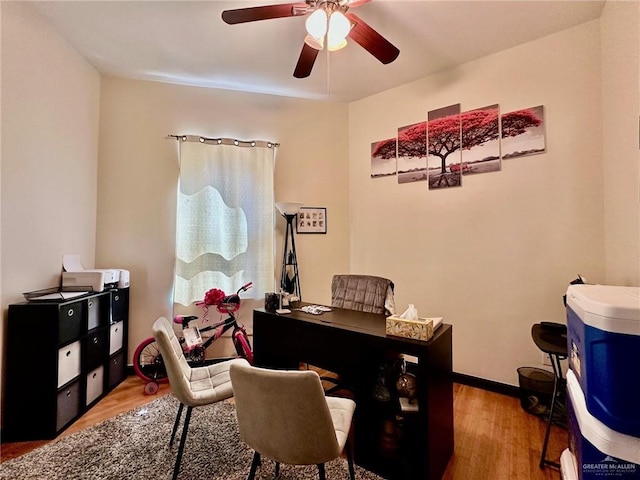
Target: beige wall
[620, 24]
[50, 100]
[496, 255]
[492, 257]
[139, 170]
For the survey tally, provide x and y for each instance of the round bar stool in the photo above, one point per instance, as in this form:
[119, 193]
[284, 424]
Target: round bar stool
[551, 338]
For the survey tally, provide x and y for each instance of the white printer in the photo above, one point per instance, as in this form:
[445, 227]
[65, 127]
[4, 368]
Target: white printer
[75, 276]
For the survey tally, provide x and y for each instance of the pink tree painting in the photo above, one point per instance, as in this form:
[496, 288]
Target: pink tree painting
[443, 146]
[523, 133]
[480, 140]
[383, 158]
[412, 153]
[472, 136]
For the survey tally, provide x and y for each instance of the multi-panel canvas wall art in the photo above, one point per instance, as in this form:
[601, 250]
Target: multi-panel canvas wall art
[450, 144]
[523, 133]
[443, 147]
[412, 153]
[383, 158]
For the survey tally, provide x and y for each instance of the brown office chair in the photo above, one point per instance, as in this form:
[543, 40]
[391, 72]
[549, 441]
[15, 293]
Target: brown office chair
[366, 293]
[284, 415]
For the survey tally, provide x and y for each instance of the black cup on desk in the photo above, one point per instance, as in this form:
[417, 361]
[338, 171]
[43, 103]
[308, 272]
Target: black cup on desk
[271, 301]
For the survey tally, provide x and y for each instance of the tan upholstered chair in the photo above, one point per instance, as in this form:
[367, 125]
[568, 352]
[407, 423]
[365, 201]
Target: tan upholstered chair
[192, 386]
[366, 293]
[284, 415]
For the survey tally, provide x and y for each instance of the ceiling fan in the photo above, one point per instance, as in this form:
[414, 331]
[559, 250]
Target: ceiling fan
[328, 19]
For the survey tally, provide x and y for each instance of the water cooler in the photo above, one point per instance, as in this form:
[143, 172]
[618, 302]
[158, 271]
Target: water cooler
[603, 383]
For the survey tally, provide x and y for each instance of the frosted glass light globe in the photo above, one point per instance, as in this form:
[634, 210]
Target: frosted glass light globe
[317, 23]
[339, 25]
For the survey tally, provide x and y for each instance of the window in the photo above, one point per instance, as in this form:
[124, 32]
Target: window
[225, 217]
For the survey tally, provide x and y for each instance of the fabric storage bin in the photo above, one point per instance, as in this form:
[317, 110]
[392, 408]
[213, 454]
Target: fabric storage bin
[95, 384]
[116, 332]
[117, 369]
[68, 363]
[68, 404]
[603, 334]
[70, 322]
[93, 313]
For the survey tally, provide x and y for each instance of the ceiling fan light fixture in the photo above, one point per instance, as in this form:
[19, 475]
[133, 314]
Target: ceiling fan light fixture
[339, 25]
[313, 42]
[336, 44]
[317, 23]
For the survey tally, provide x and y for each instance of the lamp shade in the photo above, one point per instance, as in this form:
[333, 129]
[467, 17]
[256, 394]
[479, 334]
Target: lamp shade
[288, 208]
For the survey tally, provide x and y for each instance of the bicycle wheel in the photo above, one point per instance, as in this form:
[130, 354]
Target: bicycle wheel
[148, 363]
[242, 344]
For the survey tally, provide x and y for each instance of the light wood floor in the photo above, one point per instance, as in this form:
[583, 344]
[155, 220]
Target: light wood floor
[494, 438]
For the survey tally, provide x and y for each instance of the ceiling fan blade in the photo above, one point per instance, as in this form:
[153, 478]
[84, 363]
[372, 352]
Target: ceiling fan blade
[265, 12]
[305, 61]
[372, 41]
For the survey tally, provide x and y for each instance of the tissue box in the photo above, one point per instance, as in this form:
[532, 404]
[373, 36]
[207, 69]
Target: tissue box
[421, 329]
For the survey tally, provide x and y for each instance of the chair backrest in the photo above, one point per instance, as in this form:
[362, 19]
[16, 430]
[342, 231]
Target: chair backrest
[283, 414]
[178, 370]
[365, 293]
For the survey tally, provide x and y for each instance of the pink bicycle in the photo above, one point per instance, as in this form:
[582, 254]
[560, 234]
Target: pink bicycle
[147, 360]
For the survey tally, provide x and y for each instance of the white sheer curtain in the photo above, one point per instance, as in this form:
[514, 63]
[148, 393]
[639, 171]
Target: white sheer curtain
[225, 218]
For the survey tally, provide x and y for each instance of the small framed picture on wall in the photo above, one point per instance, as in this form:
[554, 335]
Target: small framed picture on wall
[312, 220]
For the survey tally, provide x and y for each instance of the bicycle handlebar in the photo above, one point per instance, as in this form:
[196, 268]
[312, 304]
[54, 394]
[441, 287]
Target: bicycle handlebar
[229, 304]
[184, 319]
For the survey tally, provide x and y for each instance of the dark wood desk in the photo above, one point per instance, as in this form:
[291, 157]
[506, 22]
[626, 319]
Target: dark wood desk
[354, 345]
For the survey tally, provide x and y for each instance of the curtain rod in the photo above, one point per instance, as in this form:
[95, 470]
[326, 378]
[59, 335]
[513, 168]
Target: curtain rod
[225, 141]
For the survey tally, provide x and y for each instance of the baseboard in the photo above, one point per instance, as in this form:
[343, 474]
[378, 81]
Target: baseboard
[490, 385]
[483, 383]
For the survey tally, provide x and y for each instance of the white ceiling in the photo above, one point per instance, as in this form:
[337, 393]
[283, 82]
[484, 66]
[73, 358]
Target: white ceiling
[187, 42]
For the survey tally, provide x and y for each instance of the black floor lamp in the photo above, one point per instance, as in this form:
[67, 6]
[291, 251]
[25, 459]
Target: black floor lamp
[289, 278]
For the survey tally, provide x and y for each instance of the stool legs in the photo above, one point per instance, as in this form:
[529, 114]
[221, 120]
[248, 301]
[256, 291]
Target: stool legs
[557, 371]
[543, 459]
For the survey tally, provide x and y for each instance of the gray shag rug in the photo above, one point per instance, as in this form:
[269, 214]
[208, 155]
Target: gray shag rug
[136, 445]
